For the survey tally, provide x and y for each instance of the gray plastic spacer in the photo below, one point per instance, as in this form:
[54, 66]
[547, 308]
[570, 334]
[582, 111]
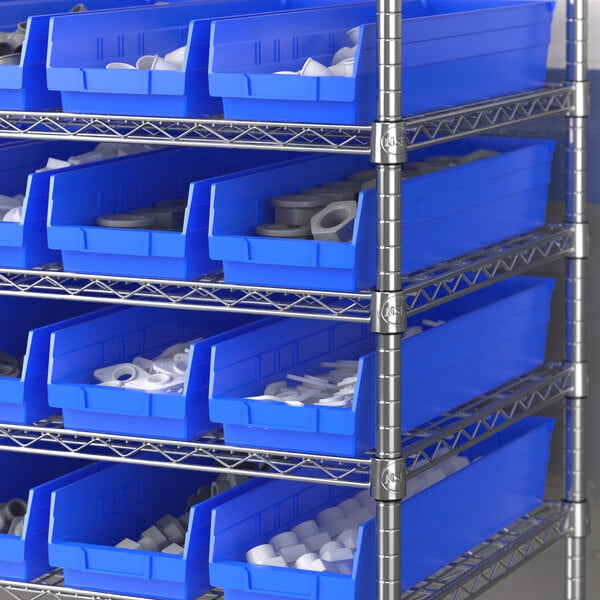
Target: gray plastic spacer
[335, 222]
[294, 210]
[283, 231]
[126, 221]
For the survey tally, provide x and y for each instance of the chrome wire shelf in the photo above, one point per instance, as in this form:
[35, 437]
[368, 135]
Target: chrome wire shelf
[425, 447]
[424, 289]
[422, 130]
[469, 424]
[481, 568]
[466, 577]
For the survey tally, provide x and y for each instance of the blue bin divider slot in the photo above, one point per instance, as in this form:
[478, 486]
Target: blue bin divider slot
[504, 481]
[445, 214]
[32, 478]
[442, 368]
[79, 49]
[89, 517]
[453, 53]
[23, 86]
[24, 399]
[75, 352]
[78, 197]
[25, 245]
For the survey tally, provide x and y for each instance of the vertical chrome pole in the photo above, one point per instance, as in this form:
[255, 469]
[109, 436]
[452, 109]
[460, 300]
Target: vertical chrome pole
[389, 152]
[576, 273]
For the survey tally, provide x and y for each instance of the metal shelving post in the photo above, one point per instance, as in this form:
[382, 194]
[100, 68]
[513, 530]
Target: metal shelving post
[576, 279]
[388, 152]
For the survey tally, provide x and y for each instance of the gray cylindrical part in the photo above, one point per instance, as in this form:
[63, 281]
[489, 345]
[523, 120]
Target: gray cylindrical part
[16, 526]
[333, 194]
[178, 202]
[126, 221]
[169, 218]
[297, 209]
[345, 185]
[16, 507]
[283, 231]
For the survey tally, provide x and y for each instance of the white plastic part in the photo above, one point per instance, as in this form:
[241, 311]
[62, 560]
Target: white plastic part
[11, 201]
[314, 542]
[276, 561]
[173, 549]
[86, 157]
[291, 553]
[284, 540]
[362, 515]
[145, 63]
[259, 554]
[431, 323]
[160, 64]
[411, 331]
[344, 68]
[343, 53]
[184, 519]
[304, 561]
[119, 65]
[14, 215]
[313, 68]
[306, 529]
[313, 381]
[157, 536]
[176, 57]
[14, 508]
[364, 497]
[335, 527]
[349, 537]
[337, 554]
[350, 506]
[54, 163]
[353, 35]
[329, 514]
[129, 544]
[271, 389]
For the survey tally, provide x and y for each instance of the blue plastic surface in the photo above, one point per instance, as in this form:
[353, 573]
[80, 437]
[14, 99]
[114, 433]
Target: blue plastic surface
[82, 44]
[453, 53]
[90, 516]
[33, 478]
[78, 197]
[23, 86]
[25, 245]
[75, 352]
[444, 214]
[443, 367]
[504, 481]
[24, 399]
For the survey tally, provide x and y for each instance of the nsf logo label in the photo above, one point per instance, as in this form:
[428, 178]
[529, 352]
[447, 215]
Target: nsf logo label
[391, 479]
[390, 142]
[391, 312]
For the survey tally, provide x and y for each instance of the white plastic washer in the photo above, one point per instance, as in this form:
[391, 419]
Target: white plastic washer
[284, 540]
[259, 554]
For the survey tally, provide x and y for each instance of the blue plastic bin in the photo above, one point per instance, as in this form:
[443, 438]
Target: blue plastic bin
[504, 481]
[82, 44]
[92, 515]
[444, 214]
[30, 321]
[443, 367]
[23, 86]
[33, 478]
[25, 245]
[453, 53]
[75, 352]
[78, 197]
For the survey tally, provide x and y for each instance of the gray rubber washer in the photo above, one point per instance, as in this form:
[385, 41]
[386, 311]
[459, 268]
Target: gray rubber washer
[283, 231]
[180, 202]
[169, 218]
[297, 209]
[126, 221]
[333, 194]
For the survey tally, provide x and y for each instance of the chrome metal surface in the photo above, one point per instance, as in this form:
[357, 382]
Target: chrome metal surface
[456, 277]
[476, 420]
[421, 130]
[466, 577]
[481, 568]
[424, 447]
[423, 289]
[208, 453]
